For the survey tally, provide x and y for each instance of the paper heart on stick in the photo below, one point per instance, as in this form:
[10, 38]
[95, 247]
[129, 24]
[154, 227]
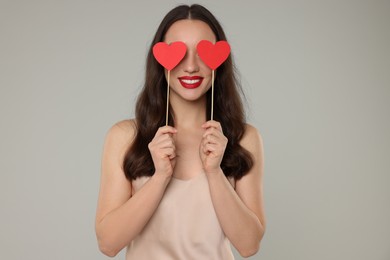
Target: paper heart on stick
[213, 55]
[169, 55]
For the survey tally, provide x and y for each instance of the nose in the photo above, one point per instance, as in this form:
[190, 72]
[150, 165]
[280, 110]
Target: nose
[190, 62]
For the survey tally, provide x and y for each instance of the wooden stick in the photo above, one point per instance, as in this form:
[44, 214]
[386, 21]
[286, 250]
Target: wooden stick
[212, 94]
[166, 115]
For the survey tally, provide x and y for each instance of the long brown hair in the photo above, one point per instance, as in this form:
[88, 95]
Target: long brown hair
[151, 103]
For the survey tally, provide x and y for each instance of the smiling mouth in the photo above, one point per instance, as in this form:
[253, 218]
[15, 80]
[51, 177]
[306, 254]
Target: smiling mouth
[191, 82]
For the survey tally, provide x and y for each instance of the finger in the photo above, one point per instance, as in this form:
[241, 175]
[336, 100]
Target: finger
[209, 148]
[172, 156]
[168, 153]
[166, 130]
[213, 146]
[216, 137]
[161, 142]
[205, 150]
[164, 141]
[213, 124]
[157, 146]
[211, 139]
[212, 131]
[166, 145]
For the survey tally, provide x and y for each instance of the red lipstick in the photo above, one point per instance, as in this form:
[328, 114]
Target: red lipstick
[190, 81]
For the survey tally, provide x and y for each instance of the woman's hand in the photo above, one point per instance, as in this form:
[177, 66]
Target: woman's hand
[212, 146]
[162, 148]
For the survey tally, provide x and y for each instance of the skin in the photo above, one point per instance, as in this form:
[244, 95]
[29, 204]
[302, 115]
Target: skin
[192, 147]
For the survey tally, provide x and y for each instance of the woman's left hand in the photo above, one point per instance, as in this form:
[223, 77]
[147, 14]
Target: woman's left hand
[212, 146]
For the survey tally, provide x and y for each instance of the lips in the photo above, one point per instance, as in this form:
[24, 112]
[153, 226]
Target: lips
[190, 82]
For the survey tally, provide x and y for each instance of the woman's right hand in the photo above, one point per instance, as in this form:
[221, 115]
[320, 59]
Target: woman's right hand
[163, 150]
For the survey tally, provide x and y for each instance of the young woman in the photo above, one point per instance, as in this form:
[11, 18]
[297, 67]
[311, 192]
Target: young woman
[190, 189]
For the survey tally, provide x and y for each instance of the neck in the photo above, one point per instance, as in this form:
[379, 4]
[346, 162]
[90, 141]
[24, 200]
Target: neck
[189, 114]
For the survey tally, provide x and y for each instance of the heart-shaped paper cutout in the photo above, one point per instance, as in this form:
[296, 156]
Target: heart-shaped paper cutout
[169, 55]
[213, 55]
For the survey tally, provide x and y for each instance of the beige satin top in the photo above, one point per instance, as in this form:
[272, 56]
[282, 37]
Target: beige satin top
[184, 226]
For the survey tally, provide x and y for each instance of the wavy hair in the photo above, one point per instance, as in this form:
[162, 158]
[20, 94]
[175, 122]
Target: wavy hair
[228, 108]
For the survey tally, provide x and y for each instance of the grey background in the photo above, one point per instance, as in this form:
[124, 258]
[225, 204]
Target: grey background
[317, 77]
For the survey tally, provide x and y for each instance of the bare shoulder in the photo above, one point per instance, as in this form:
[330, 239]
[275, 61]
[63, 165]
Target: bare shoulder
[126, 124]
[123, 131]
[124, 127]
[252, 139]
[118, 139]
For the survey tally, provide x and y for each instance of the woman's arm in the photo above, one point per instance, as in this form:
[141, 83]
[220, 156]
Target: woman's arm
[119, 216]
[240, 211]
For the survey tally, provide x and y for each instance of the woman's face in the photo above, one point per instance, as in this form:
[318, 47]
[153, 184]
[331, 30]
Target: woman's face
[191, 78]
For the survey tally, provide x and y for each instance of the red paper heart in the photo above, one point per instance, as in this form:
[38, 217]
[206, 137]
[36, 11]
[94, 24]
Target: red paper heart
[213, 55]
[169, 55]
